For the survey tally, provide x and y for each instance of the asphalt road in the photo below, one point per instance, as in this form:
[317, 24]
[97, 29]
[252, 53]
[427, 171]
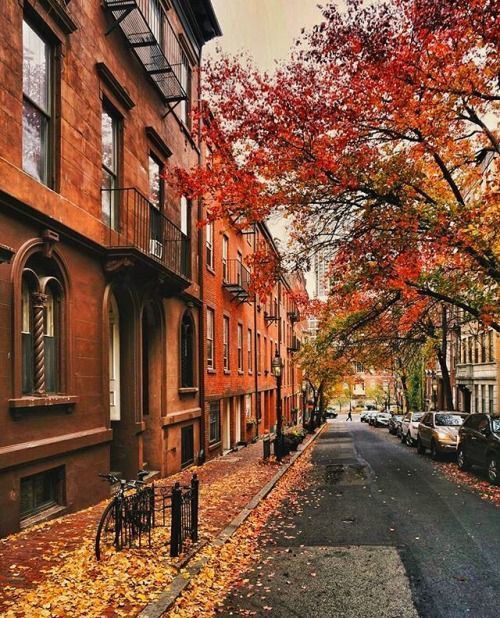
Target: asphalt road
[377, 533]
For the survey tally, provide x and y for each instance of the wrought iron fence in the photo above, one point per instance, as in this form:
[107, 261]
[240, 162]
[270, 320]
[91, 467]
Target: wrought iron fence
[184, 515]
[139, 223]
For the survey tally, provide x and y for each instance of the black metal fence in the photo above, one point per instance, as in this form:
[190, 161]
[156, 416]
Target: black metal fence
[184, 515]
[136, 518]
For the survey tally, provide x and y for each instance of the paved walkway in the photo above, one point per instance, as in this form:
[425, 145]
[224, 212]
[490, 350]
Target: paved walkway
[29, 560]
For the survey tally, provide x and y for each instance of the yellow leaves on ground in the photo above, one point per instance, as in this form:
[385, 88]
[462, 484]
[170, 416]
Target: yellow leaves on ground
[207, 590]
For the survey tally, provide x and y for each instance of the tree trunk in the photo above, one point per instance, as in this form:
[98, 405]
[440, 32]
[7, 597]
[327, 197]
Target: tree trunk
[406, 396]
[447, 393]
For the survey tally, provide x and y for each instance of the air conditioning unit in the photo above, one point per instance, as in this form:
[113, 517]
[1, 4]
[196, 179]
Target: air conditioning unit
[156, 248]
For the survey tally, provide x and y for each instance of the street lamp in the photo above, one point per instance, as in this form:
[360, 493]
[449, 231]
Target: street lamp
[304, 397]
[276, 368]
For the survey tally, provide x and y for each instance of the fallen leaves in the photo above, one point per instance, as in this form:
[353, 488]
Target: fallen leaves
[470, 480]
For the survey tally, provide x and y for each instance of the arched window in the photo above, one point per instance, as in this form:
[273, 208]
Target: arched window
[41, 298]
[187, 351]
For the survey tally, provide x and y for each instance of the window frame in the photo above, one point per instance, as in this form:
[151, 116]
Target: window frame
[186, 318]
[214, 417]
[50, 115]
[249, 350]
[226, 339]
[225, 258]
[209, 245]
[239, 339]
[210, 338]
[57, 492]
[116, 175]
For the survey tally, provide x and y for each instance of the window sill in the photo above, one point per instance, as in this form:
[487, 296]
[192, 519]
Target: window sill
[241, 372]
[45, 401]
[214, 445]
[49, 513]
[188, 390]
[227, 372]
[211, 370]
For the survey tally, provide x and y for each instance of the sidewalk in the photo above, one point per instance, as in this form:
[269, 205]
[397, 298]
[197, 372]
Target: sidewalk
[50, 569]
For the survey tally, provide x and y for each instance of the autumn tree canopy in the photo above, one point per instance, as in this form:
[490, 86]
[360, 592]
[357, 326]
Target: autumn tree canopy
[378, 141]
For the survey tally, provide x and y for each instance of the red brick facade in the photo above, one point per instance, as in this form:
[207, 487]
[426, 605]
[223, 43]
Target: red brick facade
[240, 388]
[84, 299]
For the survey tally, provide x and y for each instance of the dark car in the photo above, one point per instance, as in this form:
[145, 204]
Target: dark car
[479, 444]
[395, 423]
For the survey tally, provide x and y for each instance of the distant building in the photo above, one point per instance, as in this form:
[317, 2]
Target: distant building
[321, 265]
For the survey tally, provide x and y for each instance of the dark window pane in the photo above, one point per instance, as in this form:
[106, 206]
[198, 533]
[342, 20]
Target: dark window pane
[27, 350]
[35, 142]
[187, 445]
[214, 422]
[41, 491]
[187, 352]
[50, 364]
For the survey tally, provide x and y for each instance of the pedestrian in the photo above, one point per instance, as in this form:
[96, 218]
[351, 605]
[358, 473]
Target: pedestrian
[349, 416]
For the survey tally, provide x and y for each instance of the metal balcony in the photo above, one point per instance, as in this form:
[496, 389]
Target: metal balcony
[153, 41]
[142, 226]
[237, 280]
[295, 344]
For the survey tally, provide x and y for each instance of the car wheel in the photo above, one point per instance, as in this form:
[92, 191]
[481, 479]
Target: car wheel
[493, 471]
[462, 461]
[402, 437]
[434, 450]
[420, 447]
[409, 439]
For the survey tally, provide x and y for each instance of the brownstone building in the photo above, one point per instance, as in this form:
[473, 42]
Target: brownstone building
[100, 305]
[243, 333]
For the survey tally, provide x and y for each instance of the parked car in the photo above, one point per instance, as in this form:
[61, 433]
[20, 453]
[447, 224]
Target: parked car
[371, 417]
[363, 417]
[409, 427]
[479, 444]
[331, 413]
[394, 424]
[382, 419]
[438, 431]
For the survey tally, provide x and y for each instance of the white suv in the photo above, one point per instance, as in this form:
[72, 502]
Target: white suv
[409, 427]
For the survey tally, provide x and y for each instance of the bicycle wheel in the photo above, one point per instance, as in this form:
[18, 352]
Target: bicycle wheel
[108, 535]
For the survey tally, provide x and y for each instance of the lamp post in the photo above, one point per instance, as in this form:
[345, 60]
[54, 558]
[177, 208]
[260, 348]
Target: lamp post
[276, 367]
[304, 397]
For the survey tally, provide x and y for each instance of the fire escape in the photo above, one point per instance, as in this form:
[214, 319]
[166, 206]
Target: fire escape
[237, 281]
[153, 42]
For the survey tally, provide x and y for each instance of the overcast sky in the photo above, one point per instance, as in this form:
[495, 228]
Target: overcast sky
[264, 28]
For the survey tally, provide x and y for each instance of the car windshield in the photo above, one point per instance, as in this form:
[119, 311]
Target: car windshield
[495, 425]
[397, 417]
[448, 420]
[416, 416]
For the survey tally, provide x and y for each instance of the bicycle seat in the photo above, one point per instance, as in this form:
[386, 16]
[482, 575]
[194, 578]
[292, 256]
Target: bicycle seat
[142, 474]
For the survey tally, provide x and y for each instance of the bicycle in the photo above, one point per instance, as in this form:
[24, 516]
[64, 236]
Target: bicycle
[113, 526]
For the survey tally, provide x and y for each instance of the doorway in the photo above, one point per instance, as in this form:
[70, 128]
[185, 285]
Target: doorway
[226, 425]
[238, 420]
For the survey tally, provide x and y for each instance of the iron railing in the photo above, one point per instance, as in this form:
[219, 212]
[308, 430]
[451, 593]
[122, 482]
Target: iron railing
[142, 225]
[154, 42]
[237, 279]
[184, 515]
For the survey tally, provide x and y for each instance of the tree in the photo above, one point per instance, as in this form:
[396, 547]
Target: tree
[376, 141]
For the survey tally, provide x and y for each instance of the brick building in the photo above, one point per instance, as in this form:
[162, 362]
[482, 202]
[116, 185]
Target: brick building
[243, 333]
[100, 305]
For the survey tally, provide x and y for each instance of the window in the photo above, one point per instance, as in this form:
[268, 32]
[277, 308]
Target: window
[259, 354]
[476, 350]
[225, 251]
[225, 341]
[483, 398]
[41, 298]
[249, 350]
[37, 104]
[469, 346]
[185, 105]
[155, 169]
[187, 351]
[476, 398]
[483, 347]
[154, 17]
[185, 215]
[491, 402]
[240, 347]
[210, 338]
[187, 446]
[490, 347]
[210, 244]
[214, 422]
[239, 272]
[41, 491]
[109, 183]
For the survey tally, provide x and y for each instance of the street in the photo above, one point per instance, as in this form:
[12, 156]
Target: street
[379, 532]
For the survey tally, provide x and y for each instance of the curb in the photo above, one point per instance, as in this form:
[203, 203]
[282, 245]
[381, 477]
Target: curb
[157, 608]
